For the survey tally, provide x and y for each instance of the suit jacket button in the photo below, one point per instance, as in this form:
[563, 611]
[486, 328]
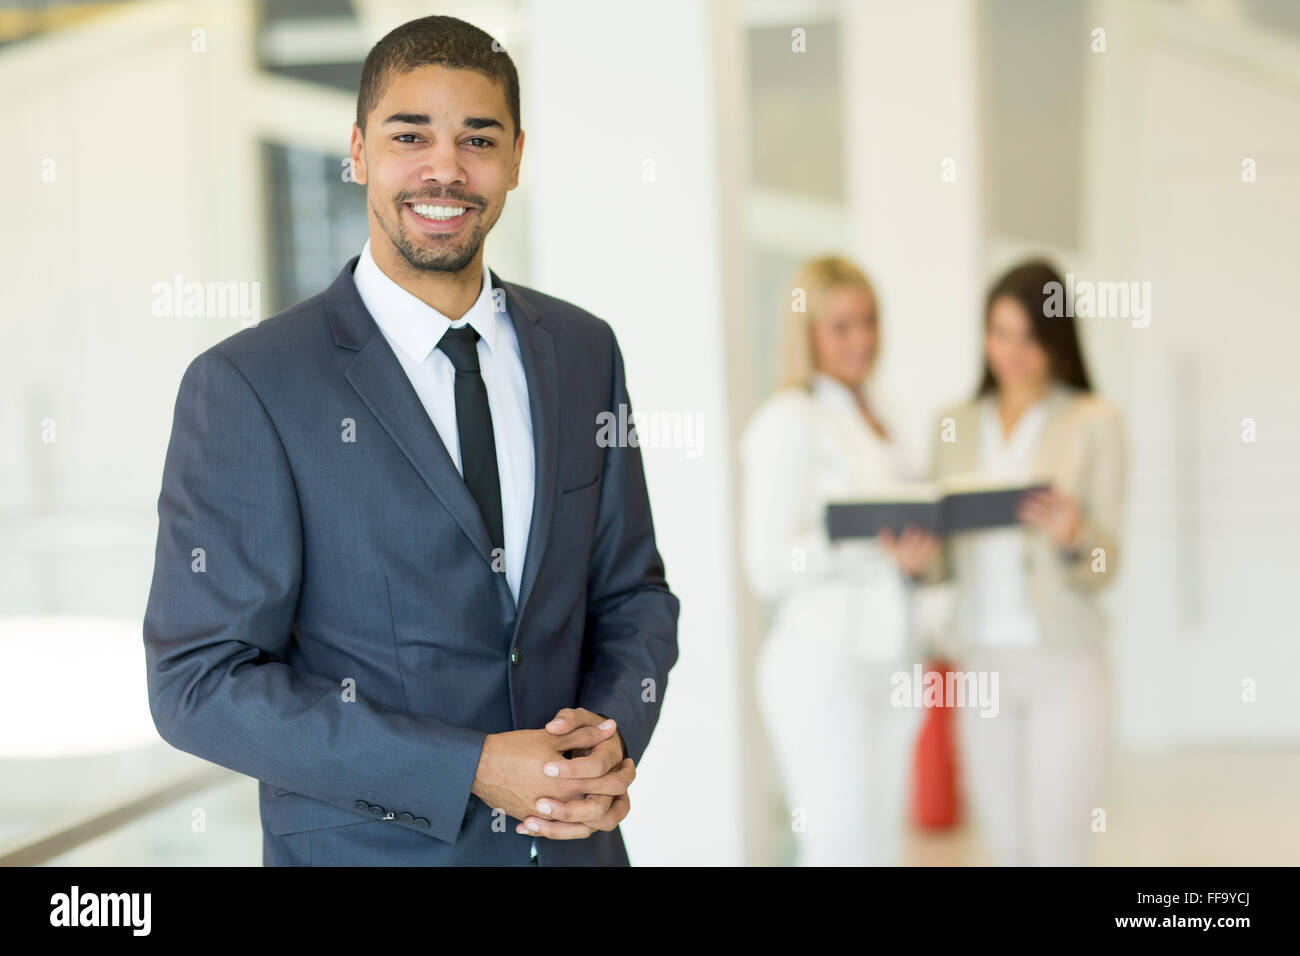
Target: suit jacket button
[362, 806]
[405, 817]
[514, 656]
[420, 823]
[376, 811]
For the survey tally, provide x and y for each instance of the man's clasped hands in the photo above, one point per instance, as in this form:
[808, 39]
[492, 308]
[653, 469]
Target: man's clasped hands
[526, 774]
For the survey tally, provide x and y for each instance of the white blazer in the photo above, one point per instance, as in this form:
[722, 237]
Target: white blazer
[802, 450]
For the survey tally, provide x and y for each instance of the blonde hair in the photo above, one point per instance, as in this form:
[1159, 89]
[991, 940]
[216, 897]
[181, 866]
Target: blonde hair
[816, 278]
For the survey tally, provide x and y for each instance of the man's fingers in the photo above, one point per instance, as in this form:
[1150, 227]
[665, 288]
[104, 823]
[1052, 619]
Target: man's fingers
[563, 721]
[583, 738]
[570, 718]
[586, 810]
[558, 830]
[618, 809]
[602, 759]
[554, 830]
[611, 784]
[614, 782]
[593, 765]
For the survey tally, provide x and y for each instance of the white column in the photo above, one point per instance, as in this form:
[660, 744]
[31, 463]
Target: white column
[620, 156]
[911, 122]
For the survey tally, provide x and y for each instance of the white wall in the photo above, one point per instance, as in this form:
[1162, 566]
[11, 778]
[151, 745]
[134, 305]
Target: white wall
[1178, 98]
[150, 179]
[1207, 593]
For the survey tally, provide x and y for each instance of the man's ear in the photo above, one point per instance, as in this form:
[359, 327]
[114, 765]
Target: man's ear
[357, 153]
[519, 155]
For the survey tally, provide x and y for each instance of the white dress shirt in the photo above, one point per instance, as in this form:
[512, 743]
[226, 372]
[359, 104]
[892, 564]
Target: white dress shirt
[1001, 614]
[413, 330]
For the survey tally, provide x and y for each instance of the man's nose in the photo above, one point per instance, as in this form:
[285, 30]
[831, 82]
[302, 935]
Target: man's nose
[442, 165]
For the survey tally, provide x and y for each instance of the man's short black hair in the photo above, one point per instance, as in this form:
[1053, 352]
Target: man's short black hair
[441, 41]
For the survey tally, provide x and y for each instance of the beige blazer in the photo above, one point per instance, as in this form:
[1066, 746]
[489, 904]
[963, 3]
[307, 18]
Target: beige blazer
[1081, 451]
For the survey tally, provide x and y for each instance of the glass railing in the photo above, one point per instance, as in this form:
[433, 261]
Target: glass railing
[149, 806]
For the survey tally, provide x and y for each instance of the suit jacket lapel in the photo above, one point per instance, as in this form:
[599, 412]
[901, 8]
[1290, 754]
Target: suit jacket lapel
[1051, 460]
[382, 384]
[965, 450]
[537, 349]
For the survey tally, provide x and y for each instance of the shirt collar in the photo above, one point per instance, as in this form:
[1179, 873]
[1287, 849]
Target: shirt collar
[831, 388]
[412, 324]
[1056, 393]
[1030, 419]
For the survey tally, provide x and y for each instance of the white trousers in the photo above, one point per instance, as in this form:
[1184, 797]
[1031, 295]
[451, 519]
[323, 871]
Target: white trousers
[1033, 774]
[845, 755]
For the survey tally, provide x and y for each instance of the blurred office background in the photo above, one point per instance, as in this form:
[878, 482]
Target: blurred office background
[680, 159]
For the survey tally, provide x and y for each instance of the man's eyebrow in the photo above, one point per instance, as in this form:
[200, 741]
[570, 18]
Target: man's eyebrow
[413, 119]
[422, 119]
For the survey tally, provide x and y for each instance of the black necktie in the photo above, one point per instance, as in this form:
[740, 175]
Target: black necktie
[478, 449]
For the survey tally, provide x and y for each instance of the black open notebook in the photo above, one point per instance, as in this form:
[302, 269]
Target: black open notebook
[960, 503]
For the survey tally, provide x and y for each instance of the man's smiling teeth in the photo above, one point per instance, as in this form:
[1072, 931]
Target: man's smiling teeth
[438, 212]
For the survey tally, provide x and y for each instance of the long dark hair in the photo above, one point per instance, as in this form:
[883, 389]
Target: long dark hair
[1028, 283]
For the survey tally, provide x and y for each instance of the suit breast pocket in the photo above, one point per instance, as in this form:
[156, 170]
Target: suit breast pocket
[581, 485]
[575, 520]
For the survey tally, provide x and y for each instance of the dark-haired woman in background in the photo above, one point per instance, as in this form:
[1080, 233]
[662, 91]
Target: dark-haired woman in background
[1026, 597]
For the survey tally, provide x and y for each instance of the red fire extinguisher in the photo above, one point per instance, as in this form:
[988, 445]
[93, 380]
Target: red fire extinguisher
[935, 804]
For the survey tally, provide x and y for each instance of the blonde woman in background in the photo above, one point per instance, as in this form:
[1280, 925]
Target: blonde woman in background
[839, 627]
[1026, 603]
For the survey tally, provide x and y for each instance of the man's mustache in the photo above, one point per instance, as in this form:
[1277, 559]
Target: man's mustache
[467, 200]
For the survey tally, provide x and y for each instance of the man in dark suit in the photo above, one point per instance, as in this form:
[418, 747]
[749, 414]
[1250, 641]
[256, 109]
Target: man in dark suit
[400, 577]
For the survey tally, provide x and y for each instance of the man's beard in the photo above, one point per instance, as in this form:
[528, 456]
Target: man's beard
[426, 259]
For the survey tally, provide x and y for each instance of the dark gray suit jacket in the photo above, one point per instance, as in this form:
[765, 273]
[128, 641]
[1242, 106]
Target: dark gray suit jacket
[292, 566]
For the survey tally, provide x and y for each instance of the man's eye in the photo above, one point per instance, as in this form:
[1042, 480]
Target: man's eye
[400, 135]
[479, 139]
